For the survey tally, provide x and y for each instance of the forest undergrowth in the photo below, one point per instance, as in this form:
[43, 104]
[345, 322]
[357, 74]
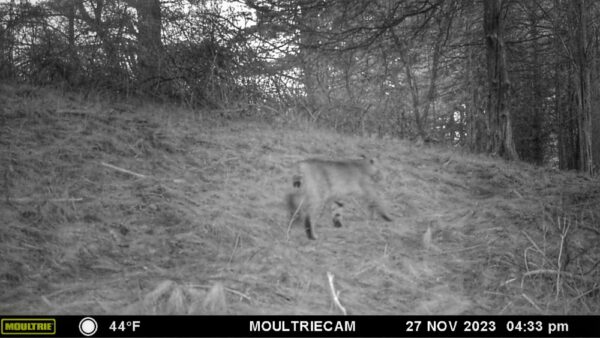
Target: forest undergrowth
[123, 207]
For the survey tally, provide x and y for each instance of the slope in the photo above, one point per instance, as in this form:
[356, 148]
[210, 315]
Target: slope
[125, 207]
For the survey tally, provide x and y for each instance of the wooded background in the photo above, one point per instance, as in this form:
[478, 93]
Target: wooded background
[514, 78]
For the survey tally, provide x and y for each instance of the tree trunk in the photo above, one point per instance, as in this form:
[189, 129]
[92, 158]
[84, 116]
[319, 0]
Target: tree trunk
[596, 103]
[7, 43]
[73, 68]
[579, 20]
[149, 42]
[412, 86]
[432, 91]
[71, 26]
[476, 127]
[313, 78]
[414, 92]
[536, 147]
[500, 128]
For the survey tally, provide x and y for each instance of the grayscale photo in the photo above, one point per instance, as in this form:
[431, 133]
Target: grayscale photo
[319, 158]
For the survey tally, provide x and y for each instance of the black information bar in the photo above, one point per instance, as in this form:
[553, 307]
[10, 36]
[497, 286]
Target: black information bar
[300, 326]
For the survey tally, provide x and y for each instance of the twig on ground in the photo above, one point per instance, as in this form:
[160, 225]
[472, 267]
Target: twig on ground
[123, 170]
[48, 302]
[287, 235]
[174, 180]
[582, 294]
[335, 294]
[236, 292]
[554, 272]
[564, 229]
[534, 246]
[237, 241]
[514, 191]
[532, 303]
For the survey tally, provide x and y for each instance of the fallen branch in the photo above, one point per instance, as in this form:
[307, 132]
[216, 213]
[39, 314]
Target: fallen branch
[532, 302]
[236, 292]
[556, 272]
[564, 229]
[237, 241]
[174, 180]
[287, 235]
[335, 294]
[123, 170]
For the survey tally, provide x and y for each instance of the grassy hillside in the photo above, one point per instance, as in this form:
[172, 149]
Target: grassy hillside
[132, 208]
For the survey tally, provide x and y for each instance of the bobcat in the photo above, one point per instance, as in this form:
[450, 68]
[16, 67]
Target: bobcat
[318, 183]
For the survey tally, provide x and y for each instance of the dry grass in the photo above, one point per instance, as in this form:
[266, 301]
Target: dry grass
[129, 208]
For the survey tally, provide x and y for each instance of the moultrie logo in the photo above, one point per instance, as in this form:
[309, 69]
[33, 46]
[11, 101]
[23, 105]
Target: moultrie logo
[28, 326]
